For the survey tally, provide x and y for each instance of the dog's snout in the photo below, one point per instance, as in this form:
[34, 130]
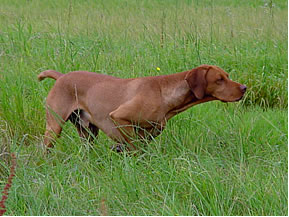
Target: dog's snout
[243, 88]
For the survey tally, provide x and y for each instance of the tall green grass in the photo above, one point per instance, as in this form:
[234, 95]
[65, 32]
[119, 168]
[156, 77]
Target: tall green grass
[132, 38]
[233, 164]
[214, 159]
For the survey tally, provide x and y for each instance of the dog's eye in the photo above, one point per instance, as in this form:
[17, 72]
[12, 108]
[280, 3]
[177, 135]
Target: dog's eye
[220, 80]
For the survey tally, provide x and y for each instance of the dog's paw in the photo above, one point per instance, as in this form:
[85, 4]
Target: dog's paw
[117, 147]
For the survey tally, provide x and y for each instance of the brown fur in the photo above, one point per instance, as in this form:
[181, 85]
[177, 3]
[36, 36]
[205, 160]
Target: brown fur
[116, 106]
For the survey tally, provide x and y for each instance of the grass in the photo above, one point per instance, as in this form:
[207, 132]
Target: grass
[214, 159]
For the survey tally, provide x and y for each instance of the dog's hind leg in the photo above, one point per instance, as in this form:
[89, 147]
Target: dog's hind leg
[57, 112]
[53, 128]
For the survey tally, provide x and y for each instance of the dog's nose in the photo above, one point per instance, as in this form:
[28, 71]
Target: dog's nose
[243, 88]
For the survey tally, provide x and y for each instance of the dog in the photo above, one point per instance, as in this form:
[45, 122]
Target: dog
[125, 109]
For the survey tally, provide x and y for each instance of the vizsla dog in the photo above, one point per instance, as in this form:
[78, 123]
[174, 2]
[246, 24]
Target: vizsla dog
[125, 109]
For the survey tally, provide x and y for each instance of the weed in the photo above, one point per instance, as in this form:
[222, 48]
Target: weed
[8, 185]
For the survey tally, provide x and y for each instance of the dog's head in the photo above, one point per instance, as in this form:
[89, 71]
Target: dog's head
[207, 80]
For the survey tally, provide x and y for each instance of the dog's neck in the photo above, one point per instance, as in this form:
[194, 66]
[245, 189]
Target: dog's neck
[177, 91]
[178, 96]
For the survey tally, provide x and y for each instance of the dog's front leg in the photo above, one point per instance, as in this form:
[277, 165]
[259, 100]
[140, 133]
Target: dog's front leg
[125, 127]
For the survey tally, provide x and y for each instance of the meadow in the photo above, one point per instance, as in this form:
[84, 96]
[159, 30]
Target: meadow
[213, 159]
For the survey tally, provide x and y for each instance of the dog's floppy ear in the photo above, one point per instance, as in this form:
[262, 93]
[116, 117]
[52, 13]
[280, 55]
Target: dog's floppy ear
[196, 79]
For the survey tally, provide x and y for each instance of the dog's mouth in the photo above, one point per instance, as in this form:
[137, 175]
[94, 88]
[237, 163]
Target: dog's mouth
[239, 99]
[236, 100]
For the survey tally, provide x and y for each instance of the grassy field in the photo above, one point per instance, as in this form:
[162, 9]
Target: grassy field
[214, 159]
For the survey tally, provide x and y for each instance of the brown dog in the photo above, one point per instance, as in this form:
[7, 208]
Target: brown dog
[128, 108]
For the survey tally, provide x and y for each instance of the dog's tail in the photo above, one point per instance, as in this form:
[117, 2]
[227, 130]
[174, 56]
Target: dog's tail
[49, 74]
